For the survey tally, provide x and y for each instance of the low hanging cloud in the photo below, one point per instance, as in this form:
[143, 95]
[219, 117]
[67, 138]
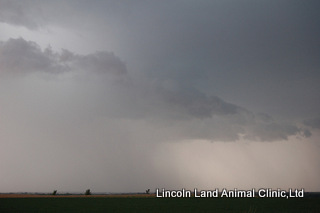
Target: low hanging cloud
[168, 112]
[21, 56]
[199, 105]
[211, 118]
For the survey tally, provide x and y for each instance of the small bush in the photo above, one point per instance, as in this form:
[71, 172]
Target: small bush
[87, 192]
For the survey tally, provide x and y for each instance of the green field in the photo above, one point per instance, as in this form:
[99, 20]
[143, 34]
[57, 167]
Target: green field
[94, 204]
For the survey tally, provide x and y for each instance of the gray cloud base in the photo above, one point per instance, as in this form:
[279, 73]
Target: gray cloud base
[192, 114]
[21, 56]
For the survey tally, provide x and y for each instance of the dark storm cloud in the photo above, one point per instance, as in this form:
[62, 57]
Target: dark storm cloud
[259, 54]
[193, 114]
[198, 104]
[214, 119]
[21, 56]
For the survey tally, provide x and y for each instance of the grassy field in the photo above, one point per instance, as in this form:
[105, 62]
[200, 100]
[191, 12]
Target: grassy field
[152, 204]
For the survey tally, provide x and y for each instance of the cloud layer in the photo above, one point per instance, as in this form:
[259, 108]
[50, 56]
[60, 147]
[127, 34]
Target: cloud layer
[193, 114]
[19, 13]
[21, 56]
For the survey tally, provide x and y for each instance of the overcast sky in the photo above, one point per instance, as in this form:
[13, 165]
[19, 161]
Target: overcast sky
[122, 96]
